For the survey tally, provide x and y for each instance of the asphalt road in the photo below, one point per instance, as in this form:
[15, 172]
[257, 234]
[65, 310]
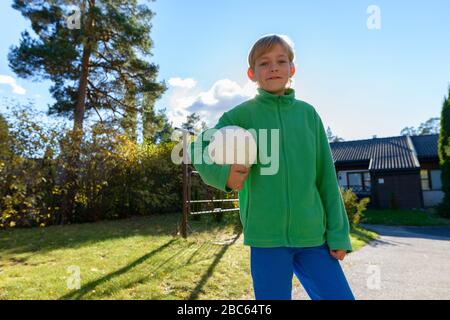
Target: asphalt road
[404, 263]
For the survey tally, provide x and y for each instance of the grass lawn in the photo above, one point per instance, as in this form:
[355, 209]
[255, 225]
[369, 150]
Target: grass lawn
[137, 258]
[429, 217]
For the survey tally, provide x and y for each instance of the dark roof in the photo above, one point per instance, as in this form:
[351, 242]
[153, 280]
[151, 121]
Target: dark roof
[426, 145]
[399, 152]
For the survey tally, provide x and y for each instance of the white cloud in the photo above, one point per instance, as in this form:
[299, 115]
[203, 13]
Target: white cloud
[223, 95]
[188, 83]
[12, 82]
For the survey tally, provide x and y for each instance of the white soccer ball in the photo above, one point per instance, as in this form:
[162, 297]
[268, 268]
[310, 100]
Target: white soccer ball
[233, 145]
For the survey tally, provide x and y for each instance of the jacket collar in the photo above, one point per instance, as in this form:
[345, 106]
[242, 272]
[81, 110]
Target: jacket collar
[274, 100]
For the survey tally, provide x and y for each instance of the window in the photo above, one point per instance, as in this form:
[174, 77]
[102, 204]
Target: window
[354, 179]
[425, 179]
[367, 180]
[435, 179]
[359, 181]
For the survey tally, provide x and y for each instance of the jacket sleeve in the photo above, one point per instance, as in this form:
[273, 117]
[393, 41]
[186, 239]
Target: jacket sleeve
[337, 229]
[211, 173]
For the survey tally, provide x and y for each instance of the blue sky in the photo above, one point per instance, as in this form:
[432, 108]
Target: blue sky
[362, 81]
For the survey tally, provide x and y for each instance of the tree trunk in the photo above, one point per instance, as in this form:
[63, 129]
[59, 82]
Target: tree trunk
[70, 174]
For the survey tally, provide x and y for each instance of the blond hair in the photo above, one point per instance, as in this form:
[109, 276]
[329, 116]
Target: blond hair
[266, 43]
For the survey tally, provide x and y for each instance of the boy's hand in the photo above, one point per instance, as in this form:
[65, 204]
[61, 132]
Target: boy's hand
[238, 174]
[338, 254]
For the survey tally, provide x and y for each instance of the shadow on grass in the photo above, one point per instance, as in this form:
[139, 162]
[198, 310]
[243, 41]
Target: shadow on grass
[78, 294]
[201, 253]
[195, 293]
[39, 240]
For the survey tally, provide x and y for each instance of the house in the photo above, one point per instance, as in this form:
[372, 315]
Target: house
[400, 171]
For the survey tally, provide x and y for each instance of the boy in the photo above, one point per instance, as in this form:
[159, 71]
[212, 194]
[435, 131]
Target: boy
[295, 220]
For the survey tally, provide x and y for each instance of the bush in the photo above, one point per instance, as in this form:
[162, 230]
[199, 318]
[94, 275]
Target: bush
[353, 206]
[114, 177]
[26, 173]
[443, 209]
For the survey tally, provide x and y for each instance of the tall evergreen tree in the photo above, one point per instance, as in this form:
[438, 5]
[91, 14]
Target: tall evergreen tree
[191, 123]
[165, 126]
[444, 156]
[95, 66]
[149, 120]
[156, 127]
[331, 137]
[98, 63]
[130, 117]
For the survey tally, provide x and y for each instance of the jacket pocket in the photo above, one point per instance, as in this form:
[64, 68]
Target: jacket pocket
[319, 218]
[309, 221]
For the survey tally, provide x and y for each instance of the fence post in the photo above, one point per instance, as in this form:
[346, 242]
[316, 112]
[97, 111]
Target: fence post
[185, 187]
[186, 181]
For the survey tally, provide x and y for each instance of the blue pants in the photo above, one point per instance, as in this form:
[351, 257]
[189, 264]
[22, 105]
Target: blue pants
[317, 270]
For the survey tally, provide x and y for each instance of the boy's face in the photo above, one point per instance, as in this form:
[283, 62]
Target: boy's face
[272, 70]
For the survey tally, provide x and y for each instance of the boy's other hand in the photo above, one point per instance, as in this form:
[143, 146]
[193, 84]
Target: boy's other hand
[338, 254]
[238, 175]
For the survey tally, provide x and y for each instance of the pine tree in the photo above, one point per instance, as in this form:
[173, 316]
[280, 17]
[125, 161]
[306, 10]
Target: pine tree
[165, 130]
[149, 120]
[156, 127]
[191, 123]
[130, 117]
[94, 67]
[96, 64]
[331, 137]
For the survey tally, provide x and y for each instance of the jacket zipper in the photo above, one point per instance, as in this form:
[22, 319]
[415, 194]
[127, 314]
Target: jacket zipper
[286, 174]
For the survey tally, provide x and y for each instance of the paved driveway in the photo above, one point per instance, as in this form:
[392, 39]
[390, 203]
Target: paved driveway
[404, 263]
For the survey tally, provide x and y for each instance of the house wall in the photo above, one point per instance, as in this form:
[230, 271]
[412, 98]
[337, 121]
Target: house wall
[430, 165]
[405, 185]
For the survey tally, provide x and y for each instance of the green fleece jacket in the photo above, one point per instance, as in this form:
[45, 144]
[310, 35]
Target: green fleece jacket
[300, 205]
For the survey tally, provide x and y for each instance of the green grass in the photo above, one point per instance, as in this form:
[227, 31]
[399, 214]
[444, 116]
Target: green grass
[399, 217]
[137, 258]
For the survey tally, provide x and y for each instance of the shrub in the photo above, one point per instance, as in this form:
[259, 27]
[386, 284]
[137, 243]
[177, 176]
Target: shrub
[353, 206]
[114, 176]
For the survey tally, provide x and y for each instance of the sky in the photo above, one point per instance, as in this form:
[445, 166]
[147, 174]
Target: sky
[368, 67]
